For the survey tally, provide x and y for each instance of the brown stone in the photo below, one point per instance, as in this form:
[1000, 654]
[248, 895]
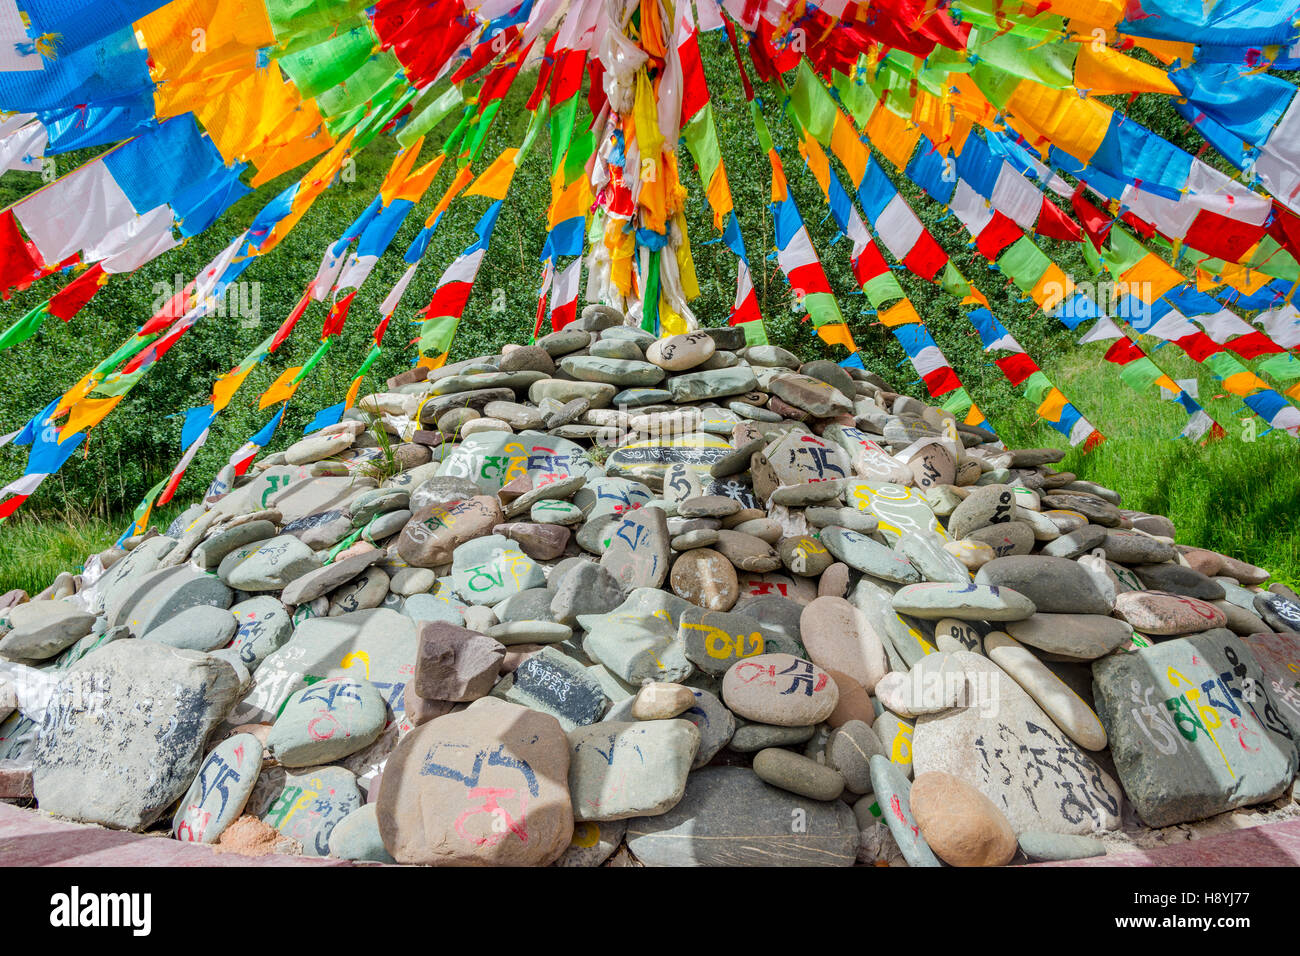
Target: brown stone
[431, 536]
[541, 542]
[455, 664]
[1165, 614]
[488, 786]
[1208, 563]
[838, 636]
[834, 581]
[854, 701]
[962, 826]
[706, 579]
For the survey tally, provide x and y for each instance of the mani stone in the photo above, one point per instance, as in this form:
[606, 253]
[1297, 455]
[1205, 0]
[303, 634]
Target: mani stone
[984, 506]
[1279, 612]
[680, 352]
[729, 817]
[485, 787]
[262, 624]
[999, 740]
[639, 639]
[1155, 704]
[868, 556]
[1155, 612]
[894, 797]
[1279, 657]
[554, 684]
[934, 601]
[638, 554]
[431, 537]
[620, 770]
[269, 566]
[309, 805]
[378, 644]
[105, 753]
[322, 581]
[326, 722]
[714, 640]
[220, 791]
[490, 569]
[779, 689]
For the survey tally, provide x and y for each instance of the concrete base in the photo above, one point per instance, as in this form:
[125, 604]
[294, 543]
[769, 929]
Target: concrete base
[29, 838]
[1273, 844]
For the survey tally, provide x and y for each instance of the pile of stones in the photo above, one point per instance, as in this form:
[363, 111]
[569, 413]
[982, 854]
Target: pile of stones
[612, 599]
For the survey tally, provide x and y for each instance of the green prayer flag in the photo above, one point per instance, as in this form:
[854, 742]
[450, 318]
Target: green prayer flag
[1024, 263]
[881, 289]
[24, 328]
[1140, 374]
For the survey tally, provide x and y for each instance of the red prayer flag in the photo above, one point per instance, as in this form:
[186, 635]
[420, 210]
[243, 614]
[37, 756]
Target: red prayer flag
[69, 300]
[1055, 224]
[1095, 223]
[19, 263]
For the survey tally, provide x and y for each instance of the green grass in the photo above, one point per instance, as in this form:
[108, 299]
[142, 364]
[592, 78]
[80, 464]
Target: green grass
[33, 552]
[1239, 495]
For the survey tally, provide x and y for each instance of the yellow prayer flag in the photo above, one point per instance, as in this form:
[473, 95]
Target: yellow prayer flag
[495, 180]
[901, 312]
[281, 389]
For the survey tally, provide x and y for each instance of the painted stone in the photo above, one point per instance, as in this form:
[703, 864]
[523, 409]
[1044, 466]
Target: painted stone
[714, 640]
[593, 843]
[868, 556]
[1194, 727]
[638, 554]
[378, 644]
[894, 795]
[1001, 742]
[220, 791]
[309, 805]
[492, 459]
[970, 602]
[639, 640]
[431, 537]
[490, 569]
[650, 459]
[486, 787]
[621, 770]
[779, 689]
[554, 684]
[899, 509]
[1155, 612]
[103, 756]
[326, 722]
